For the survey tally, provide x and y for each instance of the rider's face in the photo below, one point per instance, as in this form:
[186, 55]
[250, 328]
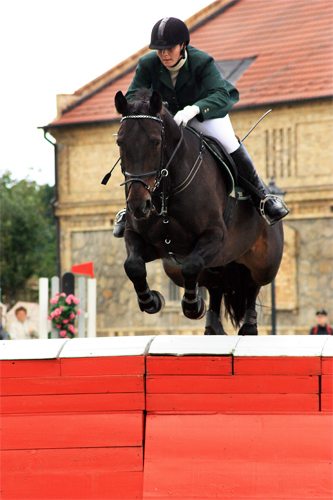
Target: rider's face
[170, 57]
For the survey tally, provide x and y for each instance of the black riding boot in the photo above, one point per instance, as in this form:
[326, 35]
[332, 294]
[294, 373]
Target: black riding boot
[269, 206]
[119, 227]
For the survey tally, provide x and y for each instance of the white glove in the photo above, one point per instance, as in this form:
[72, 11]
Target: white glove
[186, 114]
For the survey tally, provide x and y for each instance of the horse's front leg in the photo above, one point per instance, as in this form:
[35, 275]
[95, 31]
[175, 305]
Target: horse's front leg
[138, 253]
[193, 304]
[206, 250]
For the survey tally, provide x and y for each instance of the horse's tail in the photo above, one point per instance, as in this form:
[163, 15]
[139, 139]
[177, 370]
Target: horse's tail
[236, 293]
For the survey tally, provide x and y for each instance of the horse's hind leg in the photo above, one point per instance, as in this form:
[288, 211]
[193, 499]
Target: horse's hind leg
[249, 326]
[213, 316]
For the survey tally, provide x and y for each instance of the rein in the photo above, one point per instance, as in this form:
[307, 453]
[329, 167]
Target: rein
[162, 172]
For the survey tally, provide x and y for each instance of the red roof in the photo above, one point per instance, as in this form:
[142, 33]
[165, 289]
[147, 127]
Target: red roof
[291, 41]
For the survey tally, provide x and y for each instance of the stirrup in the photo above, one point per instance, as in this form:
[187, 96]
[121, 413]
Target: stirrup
[284, 210]
[119, 226]
[120, 215]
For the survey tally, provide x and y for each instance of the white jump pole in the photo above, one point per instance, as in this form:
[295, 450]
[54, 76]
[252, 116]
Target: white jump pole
[55, 287]
[91, 307]
[43, 306]
[82, 306]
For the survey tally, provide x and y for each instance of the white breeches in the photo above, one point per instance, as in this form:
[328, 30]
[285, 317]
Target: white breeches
[221, 129]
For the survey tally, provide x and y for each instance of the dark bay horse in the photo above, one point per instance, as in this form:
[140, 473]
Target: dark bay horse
[176, 198]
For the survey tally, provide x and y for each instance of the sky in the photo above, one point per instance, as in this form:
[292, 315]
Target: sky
[56, 47]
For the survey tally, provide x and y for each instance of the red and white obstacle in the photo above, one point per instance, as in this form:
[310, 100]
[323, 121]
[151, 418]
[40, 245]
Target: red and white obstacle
[182, 417]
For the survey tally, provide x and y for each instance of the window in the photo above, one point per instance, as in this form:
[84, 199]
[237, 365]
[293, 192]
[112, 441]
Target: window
[279, 153]
[232, 70]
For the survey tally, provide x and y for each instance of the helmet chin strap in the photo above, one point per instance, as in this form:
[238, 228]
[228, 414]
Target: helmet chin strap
[177, 62]
[183, 56]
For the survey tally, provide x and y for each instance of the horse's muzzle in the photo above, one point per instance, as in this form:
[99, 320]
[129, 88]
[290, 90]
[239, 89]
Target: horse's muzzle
[141, 210]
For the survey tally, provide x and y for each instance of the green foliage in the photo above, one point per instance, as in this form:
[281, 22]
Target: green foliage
[28, 235]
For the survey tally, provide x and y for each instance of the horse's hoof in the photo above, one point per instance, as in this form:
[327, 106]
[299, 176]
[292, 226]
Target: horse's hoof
[197, 312]
[155, 305]
[209, 330]
[213, 324]
[248, 330]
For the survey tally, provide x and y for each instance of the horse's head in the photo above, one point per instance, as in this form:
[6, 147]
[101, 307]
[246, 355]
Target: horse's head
[141, 142]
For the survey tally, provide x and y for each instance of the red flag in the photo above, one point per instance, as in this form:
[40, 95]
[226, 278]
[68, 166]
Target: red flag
[86, 268]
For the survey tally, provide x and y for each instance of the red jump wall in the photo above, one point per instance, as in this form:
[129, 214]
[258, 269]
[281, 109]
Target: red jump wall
[109, 419]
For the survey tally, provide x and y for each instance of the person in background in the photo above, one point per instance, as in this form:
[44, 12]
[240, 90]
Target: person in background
[21, 328]
[3, 333]
[321, 328]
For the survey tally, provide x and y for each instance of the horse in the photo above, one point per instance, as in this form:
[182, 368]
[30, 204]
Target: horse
[176, 199]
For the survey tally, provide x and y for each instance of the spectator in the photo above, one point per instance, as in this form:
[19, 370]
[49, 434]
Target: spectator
[21, 328]
[321, 328]
[3, 333]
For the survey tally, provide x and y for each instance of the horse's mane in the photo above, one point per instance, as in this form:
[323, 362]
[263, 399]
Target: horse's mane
[141, 103]
[143, 95]
[142, 98]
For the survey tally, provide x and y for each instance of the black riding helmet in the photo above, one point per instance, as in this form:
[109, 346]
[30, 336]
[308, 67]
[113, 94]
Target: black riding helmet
[169, 32]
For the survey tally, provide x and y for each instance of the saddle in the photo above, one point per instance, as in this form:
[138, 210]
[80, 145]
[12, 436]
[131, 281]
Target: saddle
[229, 169]
[229, 172]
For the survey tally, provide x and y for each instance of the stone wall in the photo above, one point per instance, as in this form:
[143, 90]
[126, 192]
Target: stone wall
[291, 143]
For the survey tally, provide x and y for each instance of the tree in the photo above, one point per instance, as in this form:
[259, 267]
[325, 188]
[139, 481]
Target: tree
[27, 233]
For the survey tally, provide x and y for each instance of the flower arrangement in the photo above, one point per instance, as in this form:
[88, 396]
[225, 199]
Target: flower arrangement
[63, 313]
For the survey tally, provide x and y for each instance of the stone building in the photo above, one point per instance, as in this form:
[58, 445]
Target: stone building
[279, 56]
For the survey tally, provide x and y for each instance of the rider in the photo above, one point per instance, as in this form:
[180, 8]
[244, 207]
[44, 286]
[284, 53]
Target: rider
[189, 80]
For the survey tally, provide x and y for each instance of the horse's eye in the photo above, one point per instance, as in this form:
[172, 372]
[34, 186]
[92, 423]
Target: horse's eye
[120, 143]
[156, 143]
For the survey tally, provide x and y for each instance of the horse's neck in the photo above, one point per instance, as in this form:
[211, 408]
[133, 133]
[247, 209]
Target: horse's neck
[172, 137]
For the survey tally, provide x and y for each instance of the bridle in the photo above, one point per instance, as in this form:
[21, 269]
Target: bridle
[162, 172]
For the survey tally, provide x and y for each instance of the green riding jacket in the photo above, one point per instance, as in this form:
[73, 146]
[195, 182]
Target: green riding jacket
[199, 82]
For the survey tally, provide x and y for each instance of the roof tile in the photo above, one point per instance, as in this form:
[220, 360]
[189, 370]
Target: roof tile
[292, 43]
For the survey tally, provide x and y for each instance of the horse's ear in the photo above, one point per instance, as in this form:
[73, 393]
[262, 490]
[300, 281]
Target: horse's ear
[120, 102]
[156, 103]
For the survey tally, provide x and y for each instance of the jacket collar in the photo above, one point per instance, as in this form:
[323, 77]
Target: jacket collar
[183, 75]
[165, 77]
